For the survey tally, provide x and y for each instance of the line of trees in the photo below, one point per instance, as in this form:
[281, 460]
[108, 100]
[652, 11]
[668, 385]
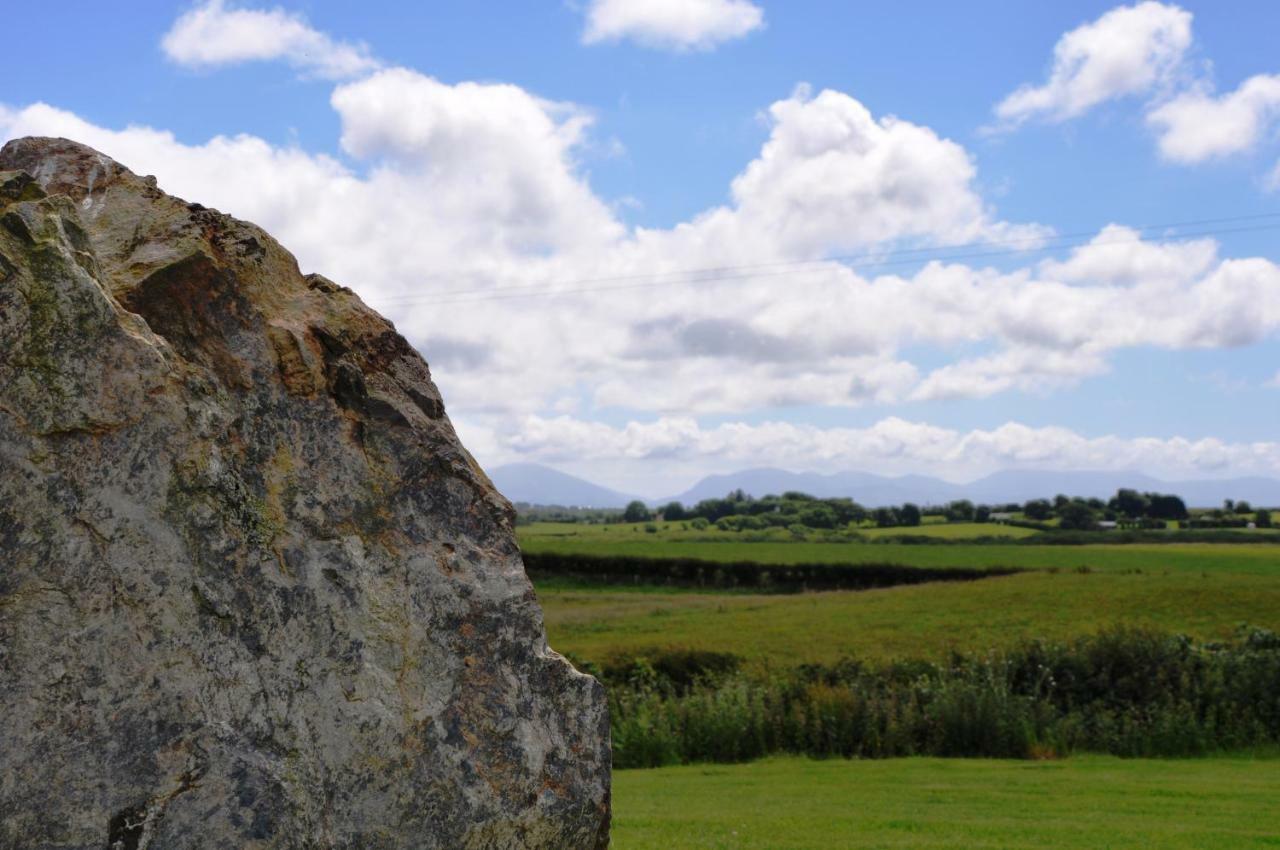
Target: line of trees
[739, 511]
[527, 512]
[1132, 509]
[1232, 514]
[1128, 508]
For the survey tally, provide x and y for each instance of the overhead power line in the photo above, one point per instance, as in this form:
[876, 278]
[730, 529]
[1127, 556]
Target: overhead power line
[864, 261]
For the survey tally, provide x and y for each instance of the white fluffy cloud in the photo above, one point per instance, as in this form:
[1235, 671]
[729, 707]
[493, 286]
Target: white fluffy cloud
[1130, 50]
[671, 24]
[833, 177]
[1142, 50]
[891, 445]
[1118, 257]
[492, 165]
[472, 187]
[213, 34]
[458, 200]
[1196, 125]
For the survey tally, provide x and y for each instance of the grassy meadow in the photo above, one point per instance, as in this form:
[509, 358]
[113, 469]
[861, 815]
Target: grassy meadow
[927, 620]
[1085, 802]
[952, 550]
[1206, 591]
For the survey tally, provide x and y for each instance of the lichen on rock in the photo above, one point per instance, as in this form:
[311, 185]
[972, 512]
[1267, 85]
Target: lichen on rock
[254, 592]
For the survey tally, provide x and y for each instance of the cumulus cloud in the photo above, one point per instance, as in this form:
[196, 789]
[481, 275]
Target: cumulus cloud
[1197, 125]
[465, 214]
[1142, 50]
[496, 161]
[891, 445]
[214, 34]
[833, 177]
[1130, 50]
[671, 24]
[1118, 256]
[1028, 368]
[473, 188]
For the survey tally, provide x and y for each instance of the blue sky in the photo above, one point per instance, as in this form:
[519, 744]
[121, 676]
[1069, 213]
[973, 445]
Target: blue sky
[419, 151]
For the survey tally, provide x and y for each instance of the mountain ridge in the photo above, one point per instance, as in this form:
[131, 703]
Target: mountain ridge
[1014, 485]
[526, 482]
[544, 485]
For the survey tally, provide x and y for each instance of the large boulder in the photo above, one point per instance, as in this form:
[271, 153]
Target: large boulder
[253, 591]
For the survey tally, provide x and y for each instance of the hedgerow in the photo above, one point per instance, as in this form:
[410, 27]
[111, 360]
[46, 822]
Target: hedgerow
[1125, 692]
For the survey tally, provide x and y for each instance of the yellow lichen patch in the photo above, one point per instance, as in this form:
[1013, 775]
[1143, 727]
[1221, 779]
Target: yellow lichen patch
[279, 476]
[300, 369]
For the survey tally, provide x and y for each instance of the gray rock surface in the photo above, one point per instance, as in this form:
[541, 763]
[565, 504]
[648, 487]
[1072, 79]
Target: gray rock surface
[253, 591]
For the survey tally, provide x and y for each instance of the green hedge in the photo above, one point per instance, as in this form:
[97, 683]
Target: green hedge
[1129, 693]
[770, 578]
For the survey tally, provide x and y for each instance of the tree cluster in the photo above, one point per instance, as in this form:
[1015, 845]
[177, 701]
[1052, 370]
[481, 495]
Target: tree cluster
[1128, 508]
[1233, 514]
[739, 511]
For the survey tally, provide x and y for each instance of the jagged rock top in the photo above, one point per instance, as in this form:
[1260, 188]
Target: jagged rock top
[256, 593]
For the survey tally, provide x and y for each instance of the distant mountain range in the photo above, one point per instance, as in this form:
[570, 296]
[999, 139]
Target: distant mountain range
[1007, 486]
[542, 485]
[537, 484]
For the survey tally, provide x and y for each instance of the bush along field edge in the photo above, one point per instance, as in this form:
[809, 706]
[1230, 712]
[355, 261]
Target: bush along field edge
[1123, 692]
[740, 575]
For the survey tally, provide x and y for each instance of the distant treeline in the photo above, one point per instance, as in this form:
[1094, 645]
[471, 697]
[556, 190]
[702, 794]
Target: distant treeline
[739, 511]
[1136, 510]
[527, 512]
[742, 575]
[1129, 693]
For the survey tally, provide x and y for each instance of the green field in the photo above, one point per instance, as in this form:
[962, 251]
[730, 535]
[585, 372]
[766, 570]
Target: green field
[680, 531]
[1246, 557]
[1086, 802]
[1205, 590]
[1202, 589]
[952, 531]
[925, 620]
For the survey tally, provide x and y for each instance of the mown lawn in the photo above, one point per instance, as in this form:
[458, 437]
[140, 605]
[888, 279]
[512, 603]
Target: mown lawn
[1082, 803]
[926, 620]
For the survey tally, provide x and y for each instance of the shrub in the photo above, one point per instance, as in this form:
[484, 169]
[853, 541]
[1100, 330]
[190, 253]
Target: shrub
[1125, 692]
[672, 670]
